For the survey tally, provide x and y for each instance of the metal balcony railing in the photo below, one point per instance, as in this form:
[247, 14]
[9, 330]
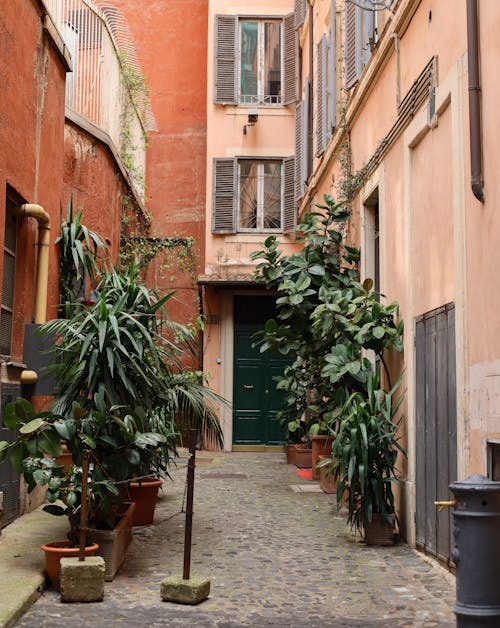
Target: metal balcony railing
[105, 86]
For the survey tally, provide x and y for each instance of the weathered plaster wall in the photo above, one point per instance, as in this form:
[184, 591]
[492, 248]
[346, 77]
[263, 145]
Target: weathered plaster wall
[31, 135]
[94, 182]
[171, 43]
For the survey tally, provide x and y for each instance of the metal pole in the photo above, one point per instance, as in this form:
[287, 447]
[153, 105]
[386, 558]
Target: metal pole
[83, 506]
[189, 504]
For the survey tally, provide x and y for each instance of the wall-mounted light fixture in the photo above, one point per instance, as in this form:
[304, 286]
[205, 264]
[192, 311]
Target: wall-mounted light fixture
[253, 118]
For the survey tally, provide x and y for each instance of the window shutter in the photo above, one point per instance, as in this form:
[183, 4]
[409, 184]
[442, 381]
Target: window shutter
[225, 60]
[332, 74]
[368, 34]
[289, 205]
[299, 166]
[224, 196]
[299, 13]
[321, 79]
[307, 138]
[352, 44]
[289, 56]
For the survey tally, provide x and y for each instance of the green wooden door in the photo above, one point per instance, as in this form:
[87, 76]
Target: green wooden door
[255, 398]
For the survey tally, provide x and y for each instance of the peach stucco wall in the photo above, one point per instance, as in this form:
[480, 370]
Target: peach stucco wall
[272, 136]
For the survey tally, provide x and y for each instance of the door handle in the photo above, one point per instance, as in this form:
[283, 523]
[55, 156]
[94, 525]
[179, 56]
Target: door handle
[248, 386]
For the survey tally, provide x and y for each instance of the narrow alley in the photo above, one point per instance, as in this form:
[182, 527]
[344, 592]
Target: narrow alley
[277, 553]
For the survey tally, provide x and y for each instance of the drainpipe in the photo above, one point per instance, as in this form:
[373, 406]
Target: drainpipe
[29, 210]
[310, 152]
[475, 135]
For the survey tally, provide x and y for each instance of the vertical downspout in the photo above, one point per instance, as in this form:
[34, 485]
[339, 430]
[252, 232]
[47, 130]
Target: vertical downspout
[310, 94]
[200, 332]
[475, 134]
[29, 210]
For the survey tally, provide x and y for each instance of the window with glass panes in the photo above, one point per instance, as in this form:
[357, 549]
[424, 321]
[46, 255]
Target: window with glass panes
[8, 275]
[260, 61]
[260, 197]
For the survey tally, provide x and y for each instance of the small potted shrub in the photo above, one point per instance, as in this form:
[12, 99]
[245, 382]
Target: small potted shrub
[363, 461]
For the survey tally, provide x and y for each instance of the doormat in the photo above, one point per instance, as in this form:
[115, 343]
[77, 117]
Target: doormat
[305, 474]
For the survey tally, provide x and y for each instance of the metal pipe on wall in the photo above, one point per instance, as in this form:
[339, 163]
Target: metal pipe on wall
[475, 131]
[30, 210]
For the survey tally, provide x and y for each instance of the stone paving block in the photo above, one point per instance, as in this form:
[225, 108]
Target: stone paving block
[275, 557]
[191, 591]
[82, 581]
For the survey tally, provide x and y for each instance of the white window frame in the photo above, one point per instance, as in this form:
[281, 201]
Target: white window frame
[259, 100]
[260, 196]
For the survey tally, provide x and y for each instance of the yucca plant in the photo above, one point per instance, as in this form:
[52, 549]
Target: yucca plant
[80, 250]
[364, 454]
[122, 345]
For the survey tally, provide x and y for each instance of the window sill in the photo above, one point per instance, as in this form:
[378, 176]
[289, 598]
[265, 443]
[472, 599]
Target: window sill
[252, 238]
[264, 110]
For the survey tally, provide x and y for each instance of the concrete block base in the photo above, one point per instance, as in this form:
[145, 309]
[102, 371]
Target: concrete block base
[82, 581]
[192, 591]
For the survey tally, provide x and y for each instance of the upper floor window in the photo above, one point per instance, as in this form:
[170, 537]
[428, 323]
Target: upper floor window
[253, 195]
[260, 62]
[254, 60]
[360, 38]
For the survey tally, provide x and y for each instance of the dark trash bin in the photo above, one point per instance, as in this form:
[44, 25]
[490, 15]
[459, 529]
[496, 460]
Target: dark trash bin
[476, 552]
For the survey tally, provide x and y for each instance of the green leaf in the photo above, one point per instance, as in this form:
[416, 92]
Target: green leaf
[32, 426]
[49, 443]
[4, 447]
[10, 418]
[316, 269]
[54, 510]
[378, 332]
[17, 456]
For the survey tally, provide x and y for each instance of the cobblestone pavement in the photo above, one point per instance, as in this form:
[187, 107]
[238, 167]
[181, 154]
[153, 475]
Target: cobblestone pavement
[275, 557]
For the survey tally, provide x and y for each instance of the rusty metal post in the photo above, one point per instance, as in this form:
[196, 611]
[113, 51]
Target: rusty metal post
[189, 504]
[83, 506]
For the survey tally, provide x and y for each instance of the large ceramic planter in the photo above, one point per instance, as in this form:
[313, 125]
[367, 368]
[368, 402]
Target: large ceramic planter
[113, 543]
[321, 445]
[144, 494]
[62, 549]
[378, 534]
[327, 481]
[303, 457]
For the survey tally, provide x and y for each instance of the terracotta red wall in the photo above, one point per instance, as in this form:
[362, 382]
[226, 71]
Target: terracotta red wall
[171, 42]
[95, 183]
[32, 80]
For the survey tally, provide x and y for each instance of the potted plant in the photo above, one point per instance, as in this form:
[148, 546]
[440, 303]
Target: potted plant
[121, 349]
[363, 460]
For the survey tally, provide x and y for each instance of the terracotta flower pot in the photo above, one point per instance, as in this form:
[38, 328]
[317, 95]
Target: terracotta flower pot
[377, 533]
[144, 494]
[303, 456]
[113, 544]
[327, 482]
[321, 446]
[290, 453]
[62, 549]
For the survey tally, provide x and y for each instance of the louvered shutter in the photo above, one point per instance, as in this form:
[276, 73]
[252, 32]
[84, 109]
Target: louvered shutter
[289, 205]
[299, 12]
[307, 139]
[289, 78]
[332, 74]
[299, 168]
[352, 44]
[224, 196]
[225, 91]
[368, 34]
[321, 80]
